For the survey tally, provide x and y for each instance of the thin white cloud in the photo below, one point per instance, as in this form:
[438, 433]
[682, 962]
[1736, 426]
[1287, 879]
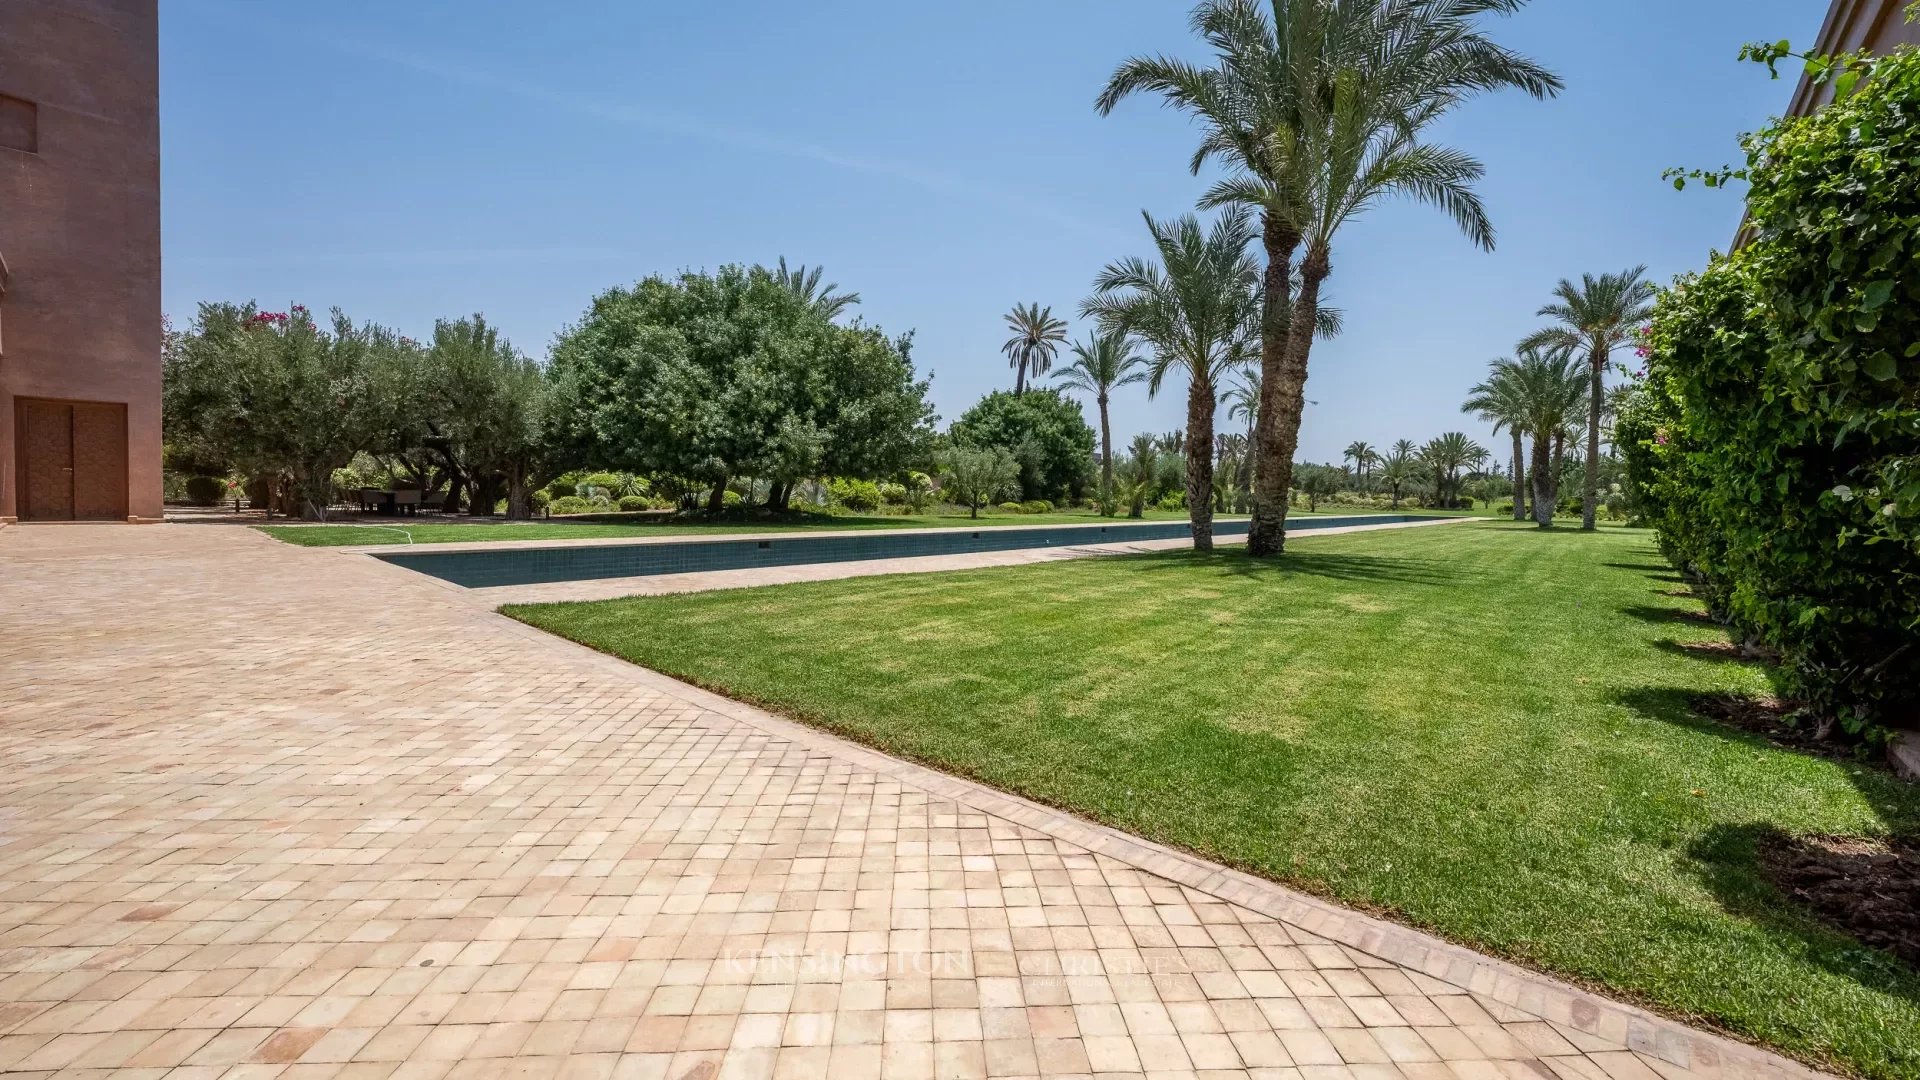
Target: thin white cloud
[748, 139]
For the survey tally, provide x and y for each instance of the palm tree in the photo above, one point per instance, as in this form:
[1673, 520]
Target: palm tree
[1284, 73]
[1550, 384]
[1595, 317]
[804, 281]
[1242, 400]
[1396, 470]
[1102, 364]
[1193, 308]
[1035, 342]
[1363, 458]
[1498, 399]
[1445, 456]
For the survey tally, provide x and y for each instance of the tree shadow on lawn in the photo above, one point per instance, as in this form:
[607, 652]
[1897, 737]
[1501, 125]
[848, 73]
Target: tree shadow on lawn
[1728, 858]
[1667, 616]
[1336, 566]
[1713, 652]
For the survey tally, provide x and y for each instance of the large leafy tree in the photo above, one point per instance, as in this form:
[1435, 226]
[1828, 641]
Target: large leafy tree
[1592, 319]
[1195, 308]
[1102, 364]
[1046, 433]
[1315, 107]
[729, 375]
[1035, 342]
[1500, 400]
[481, 406]
[283, 396]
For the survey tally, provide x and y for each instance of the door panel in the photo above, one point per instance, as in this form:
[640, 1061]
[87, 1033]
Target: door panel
[99, 462]
[46, 460]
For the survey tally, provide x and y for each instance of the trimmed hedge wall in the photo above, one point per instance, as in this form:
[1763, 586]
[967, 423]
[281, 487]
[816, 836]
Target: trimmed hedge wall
[1775, 440]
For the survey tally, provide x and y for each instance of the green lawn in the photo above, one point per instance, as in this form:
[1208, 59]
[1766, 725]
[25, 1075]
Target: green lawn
[1480, 729]
[426, 531]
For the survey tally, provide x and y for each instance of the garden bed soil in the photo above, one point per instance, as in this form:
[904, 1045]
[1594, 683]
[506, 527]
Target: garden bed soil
[1771, 718]
[1868, 888]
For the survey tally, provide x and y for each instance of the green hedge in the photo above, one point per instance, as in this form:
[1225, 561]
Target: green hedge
[1775, 441]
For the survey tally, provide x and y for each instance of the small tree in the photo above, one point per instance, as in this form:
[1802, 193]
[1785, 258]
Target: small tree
[975, 478]
[1318, 482]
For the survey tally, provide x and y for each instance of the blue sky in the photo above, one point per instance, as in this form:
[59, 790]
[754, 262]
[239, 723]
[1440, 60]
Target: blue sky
[409, 161]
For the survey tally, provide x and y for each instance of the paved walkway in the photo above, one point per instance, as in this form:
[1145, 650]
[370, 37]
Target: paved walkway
[272, 811]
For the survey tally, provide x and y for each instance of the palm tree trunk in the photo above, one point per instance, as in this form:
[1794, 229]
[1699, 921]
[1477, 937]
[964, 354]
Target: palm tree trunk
[1106, 451]
[1020, 378]
[1590, 493]
[1542, 483]
[1200, 463]
[1289, 385]
[1273, 464]
[1519, 478]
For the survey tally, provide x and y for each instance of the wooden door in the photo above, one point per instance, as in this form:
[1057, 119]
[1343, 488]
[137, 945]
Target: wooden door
[72, 460]
[99, 462]
[46, 459]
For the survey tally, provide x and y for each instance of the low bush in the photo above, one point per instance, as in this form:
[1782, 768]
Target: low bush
[893, 494]
[1010, 508]
[857, 495]
[571, 504]
[205, 490]
[630, 503]
[1036, 506]
[561, 489]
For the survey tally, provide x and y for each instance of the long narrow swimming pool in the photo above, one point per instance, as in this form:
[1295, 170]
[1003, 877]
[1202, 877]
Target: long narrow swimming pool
[487, 568]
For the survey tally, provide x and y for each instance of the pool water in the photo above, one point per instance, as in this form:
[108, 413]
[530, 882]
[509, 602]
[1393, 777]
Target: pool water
[529, 565]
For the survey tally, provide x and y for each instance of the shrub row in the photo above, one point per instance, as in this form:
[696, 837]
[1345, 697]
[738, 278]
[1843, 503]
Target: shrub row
[1774, 442]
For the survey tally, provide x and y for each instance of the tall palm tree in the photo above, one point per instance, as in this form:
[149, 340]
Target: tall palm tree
[1551, 383]
[1242, 400]
[1498, 399]
[1035, 342]
[1283, 72]
[1445, 456]
[1102, 364]
[1396, 470]
[804, 281]
[1593, 318]
[1363, 457]
[1193, 308]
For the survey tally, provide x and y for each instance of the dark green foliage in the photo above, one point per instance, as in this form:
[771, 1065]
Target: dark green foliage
[1043, 430]
[631, 503]
[205, 490]
[279, 395]
[733, 374]
[1775, 445]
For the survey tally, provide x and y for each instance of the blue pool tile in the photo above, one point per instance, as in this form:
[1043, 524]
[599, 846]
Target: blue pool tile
[530, 566]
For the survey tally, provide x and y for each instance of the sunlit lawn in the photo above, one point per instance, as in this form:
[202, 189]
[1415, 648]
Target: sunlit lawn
[1480, 728]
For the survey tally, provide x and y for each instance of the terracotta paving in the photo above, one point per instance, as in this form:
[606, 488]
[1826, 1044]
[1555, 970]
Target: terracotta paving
[271, 811]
